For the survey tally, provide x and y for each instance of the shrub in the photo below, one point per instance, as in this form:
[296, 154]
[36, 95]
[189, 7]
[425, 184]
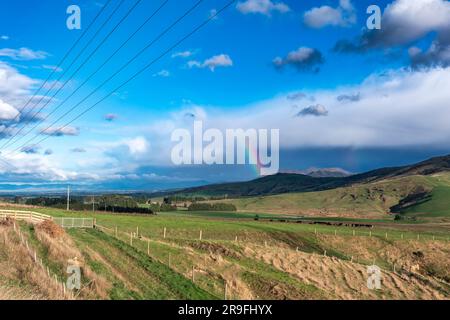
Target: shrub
[212, 207]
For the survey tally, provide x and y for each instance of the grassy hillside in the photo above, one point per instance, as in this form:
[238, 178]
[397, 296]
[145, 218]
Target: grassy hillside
[256, 260]
[370, 200]
[436, 204]
[132, 273]
[287, 182]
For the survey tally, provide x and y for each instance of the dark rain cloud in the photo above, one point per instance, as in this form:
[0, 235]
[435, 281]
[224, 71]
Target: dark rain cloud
[303, 59]
[317, 110]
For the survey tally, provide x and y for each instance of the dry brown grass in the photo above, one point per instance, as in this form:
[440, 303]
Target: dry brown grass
[432, 257]
[61, 249]
[344, 279]
[20, 276]
[51, 228]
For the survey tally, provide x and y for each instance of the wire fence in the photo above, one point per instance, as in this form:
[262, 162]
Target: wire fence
[75, 222]
[255, 235]
[52, 278]
[136, 239]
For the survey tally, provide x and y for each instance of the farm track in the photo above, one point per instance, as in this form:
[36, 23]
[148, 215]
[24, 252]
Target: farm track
[141, 275]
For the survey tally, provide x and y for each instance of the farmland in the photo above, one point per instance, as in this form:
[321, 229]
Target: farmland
[217, 255]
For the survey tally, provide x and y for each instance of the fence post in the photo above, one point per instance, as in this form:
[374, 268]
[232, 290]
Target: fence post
[353, 232]
[115, 231]
[370, 233]
[325, 253]
[226, 290]
[200, 237]
[193, 274]
[335, 232]
[386, 235]
[137, 232]
[236, 239]
[148, 246]
[164, 232]
[131, 238]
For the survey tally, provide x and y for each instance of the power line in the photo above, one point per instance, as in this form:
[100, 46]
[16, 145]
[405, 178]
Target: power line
[10, 165]
[63, 59]
[191, 9]
[66, 70]
[200, 26]
[93, 74]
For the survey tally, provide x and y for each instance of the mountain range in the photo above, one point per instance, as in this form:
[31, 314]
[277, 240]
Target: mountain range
[295, 182]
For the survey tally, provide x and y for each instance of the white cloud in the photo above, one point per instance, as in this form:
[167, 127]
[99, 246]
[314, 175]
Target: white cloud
[54, 85]
[222, 60]
[14, 86]
[319, 17]
[78, 150]
[7, 112]
[3, 37]
[137, 145]
[183, 54]
[30, 165]
[162, 73]
[397, 108]
[23, 54]
[59, 132]
[394, 109]
[405, 22]
[265, 7]
[53, 68]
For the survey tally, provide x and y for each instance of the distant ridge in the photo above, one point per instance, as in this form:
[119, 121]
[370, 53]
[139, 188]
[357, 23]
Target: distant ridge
[294, 182]
[322, 172]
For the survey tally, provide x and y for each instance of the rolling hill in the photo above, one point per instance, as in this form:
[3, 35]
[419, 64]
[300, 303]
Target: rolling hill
[420, 189]
[291, 182]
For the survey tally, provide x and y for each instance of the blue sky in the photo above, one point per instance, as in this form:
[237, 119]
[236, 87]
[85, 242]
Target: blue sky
[342, 96]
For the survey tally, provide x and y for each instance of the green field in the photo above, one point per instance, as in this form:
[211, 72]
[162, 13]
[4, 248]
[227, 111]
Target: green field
[371, 201]
[131, 259]
[437, 206]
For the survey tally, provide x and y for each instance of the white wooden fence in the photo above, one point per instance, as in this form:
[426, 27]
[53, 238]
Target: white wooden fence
[24, 215]
[37, 217]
